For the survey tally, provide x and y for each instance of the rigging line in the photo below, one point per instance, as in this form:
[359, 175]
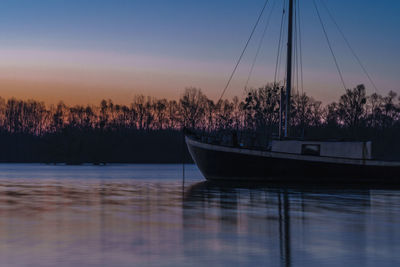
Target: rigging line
[279, 43]
[260, 45]
[297, 46]
[294, 59]
[350, 47]
[281, 59]
[244, 49]
[296, 49]
[330, 46]
[300, 48]
[281, 101]
[283, 51]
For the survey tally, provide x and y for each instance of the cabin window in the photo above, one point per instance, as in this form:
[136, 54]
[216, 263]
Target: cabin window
[311, 149]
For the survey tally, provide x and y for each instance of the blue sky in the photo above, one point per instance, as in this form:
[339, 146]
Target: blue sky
[83, 51]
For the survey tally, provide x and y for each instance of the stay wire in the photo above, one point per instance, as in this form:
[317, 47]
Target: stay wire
[283, 51]
[282, 59]
[244, 50]
[279, 44]
[350, 46]
[300, 48]
[296, 49]
[330, 46]
[260, 45]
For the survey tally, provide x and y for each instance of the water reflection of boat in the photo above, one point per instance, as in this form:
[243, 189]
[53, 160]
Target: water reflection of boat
[282, 220]
[228, 202]
[292, 159]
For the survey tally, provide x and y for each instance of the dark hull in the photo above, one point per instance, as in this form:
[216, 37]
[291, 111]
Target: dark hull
[216, 164]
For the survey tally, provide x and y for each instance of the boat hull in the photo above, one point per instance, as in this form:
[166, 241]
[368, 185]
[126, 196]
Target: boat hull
[225, 163]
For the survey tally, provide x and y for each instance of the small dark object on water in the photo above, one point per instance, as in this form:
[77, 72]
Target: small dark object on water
[99, 163]
[75, 163]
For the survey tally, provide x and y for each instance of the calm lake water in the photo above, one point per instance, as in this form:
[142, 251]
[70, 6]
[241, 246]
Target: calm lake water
[146, 215]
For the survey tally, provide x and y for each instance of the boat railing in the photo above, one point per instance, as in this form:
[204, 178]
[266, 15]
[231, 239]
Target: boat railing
[233, 138]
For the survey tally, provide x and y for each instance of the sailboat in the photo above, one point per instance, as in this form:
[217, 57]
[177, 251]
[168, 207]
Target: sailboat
[291, 159]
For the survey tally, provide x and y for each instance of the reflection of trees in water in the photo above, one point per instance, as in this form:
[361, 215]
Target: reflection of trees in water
[280, 220]
[213, 223]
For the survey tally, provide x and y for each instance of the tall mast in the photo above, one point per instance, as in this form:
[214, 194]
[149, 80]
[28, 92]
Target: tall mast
[289, 67]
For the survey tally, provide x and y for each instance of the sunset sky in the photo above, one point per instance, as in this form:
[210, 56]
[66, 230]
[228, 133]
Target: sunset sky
[82, 51]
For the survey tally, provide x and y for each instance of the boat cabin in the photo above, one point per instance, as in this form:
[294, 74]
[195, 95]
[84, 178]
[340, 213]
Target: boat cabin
[336, 149]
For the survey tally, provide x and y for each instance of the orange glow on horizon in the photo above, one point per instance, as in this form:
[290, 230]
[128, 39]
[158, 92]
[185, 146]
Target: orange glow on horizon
[87, 77]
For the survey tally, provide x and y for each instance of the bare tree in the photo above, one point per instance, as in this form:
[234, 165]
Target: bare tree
[192, 107]
[351, 109]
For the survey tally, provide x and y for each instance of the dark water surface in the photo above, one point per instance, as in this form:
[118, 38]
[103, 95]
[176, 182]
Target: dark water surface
[144, 215]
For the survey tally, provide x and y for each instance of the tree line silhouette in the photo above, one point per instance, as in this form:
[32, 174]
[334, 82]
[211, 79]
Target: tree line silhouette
[149, 130]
